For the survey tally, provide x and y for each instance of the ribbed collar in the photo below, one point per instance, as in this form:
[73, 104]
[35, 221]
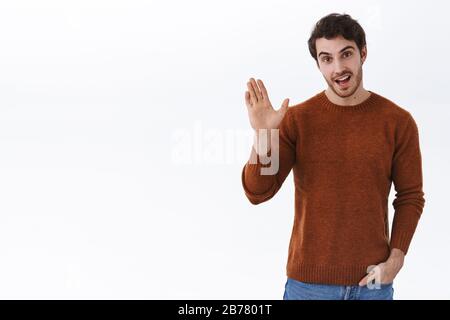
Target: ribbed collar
[365, 105]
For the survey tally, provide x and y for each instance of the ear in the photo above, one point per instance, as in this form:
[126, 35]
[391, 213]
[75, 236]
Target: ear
[363, 54]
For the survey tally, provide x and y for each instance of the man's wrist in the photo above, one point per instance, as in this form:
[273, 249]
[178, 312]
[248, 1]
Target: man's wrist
[396, 257]
[262, 142]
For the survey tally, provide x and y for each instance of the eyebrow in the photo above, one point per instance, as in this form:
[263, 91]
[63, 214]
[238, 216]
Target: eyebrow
[345, 48]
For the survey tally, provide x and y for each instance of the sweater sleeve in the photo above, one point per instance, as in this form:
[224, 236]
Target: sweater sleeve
[259, 186]
[407, 177]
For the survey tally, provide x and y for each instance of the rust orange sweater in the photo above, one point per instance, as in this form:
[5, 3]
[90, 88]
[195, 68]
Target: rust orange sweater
[344, 160]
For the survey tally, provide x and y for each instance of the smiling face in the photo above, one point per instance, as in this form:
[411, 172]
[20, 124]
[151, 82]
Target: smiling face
[340, 63]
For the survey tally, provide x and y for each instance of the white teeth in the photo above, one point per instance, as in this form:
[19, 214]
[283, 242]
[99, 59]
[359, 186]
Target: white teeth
[343, 78]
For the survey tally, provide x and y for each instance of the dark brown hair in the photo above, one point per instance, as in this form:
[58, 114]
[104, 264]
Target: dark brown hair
[333, 25]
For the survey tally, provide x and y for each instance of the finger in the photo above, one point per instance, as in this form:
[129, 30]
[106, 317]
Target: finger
[285, 105]
[248, 102]
[373, 280]
[253, 98]
[363, 281]
[369, 278]
[265, 95]
[257, 91]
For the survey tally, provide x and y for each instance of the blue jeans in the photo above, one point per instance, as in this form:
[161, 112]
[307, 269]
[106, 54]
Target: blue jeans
[298, 290]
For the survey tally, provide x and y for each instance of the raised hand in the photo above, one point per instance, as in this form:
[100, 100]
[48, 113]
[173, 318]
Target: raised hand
[260, 111]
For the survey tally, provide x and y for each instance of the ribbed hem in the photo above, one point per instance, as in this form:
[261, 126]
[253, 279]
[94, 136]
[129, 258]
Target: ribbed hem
[366, 105]
[337, 275]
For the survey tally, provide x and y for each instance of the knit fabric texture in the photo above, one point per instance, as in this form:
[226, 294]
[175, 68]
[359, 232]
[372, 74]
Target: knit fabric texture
[344, 160]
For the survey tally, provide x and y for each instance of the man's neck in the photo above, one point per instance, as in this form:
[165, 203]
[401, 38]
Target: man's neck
[357, 97]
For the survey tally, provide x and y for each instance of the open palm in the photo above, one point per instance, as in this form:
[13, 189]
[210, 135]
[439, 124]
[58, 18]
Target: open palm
[261, 113]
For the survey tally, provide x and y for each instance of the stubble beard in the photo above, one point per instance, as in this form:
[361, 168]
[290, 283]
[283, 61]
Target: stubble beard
[352, 90]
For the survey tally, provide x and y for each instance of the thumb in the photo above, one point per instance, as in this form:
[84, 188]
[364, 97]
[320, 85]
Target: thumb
[285, 105]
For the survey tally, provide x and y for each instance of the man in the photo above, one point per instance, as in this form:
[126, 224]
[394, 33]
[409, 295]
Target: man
[346, 145]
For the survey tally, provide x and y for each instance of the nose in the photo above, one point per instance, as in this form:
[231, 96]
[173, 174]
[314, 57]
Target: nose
[339, 67]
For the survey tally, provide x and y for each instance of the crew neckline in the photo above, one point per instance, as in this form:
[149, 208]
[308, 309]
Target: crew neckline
[364, 105]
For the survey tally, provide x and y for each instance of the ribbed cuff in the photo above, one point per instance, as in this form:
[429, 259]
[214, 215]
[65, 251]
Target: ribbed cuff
[260, 160]
[401, 240]
[258, 188]
[404, 225]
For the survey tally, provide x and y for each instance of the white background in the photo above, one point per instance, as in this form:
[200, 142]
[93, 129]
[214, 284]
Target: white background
[123, 133]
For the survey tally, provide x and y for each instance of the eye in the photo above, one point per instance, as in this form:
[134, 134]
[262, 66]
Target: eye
[326, 59]
[347, 54]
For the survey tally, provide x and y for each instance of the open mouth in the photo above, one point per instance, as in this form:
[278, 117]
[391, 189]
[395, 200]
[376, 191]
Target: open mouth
[344, 80]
